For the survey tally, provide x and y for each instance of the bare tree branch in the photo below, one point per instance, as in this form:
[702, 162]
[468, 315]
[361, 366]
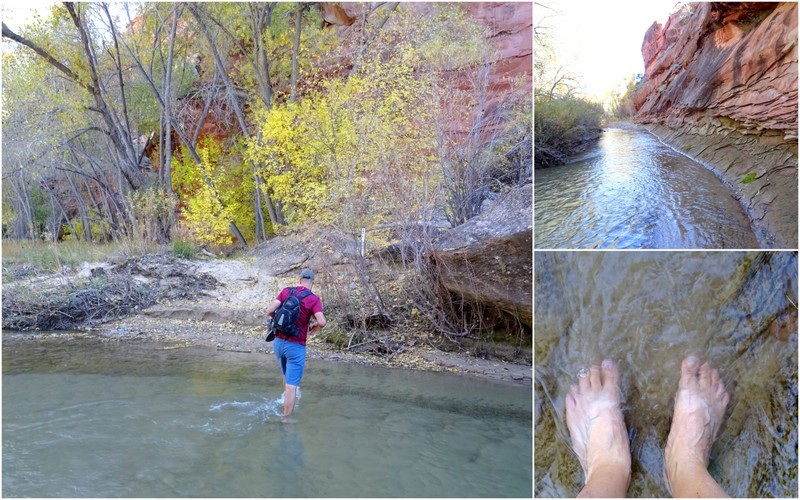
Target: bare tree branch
[47, 57]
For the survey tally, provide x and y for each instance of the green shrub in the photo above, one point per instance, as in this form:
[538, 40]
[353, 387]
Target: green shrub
[750, 177]
[183, 249]
[562, 125]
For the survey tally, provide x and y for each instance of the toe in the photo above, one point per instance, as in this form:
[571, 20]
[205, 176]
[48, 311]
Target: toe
[570, 401]
[720, 387]
[720, 390]
[610, 373]
[583, 379]
[714, 377]
[689, 369]
[594, 375]
[705, 375]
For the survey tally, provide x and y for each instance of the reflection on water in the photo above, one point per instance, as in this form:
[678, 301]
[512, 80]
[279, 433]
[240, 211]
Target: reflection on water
[87, 418]
[647, 310]
[632, 191]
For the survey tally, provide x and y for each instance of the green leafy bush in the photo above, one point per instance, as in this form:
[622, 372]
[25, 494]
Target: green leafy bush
[561, 126]
[183, 249]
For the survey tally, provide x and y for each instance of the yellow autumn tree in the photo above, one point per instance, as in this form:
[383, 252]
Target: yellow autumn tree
[357, 153]
[206, 215]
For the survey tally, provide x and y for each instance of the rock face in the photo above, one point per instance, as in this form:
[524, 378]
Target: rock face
[510, 33]
[720, 85]
[510, 38]
[488, 259]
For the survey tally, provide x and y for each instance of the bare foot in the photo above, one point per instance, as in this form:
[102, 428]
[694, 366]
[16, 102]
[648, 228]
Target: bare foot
[596, 425]
[699, 408]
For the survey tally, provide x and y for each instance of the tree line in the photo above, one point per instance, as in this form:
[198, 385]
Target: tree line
[565, 121]
[242, 119]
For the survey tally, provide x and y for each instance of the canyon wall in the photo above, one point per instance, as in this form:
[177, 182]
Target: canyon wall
[509, 37]
[720, 85]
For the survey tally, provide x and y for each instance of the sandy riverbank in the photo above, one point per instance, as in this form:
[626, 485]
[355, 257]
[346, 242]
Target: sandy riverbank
[230, 318]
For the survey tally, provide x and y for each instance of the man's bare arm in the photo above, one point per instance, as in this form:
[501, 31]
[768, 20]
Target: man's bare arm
[273, 307]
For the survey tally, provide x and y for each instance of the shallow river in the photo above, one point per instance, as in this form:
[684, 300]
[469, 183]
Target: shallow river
[85, 418]
[648, 310]
[632, 191]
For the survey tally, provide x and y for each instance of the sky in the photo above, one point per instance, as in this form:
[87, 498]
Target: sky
[16, 13]
[601, 40]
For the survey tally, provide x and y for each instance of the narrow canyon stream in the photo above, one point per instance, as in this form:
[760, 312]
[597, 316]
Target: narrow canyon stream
[632, 191]
[106, 419]
[647, 311]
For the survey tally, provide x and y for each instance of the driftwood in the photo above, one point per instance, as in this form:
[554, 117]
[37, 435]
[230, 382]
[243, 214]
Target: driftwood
[369, 322]
[111, 293]
[373, 333]
[76, 309]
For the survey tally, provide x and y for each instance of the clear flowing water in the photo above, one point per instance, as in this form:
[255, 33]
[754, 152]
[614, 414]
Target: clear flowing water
[85, 418]
[647, 311]
[632, 191]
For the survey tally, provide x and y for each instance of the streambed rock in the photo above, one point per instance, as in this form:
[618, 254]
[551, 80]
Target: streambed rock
[488, 259]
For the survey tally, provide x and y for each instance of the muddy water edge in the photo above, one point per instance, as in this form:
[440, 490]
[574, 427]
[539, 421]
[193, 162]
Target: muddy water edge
[647, 310]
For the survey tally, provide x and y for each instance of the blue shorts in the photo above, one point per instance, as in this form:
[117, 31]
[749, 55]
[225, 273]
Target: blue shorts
[292, 358]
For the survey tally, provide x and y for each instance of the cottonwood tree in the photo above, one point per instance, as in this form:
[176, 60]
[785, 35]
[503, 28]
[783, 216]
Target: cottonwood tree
[163, 100]
[85, 74]
[55, 115]
[268, 37]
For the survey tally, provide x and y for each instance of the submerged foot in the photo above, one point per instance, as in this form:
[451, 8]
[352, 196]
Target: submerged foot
[596, 425]
[699, 409]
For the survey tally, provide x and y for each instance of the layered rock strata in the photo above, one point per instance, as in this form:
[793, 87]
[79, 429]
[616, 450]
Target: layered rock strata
[720, 85]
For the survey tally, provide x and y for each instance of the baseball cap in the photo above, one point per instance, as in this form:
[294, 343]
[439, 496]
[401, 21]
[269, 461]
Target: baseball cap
[307, 274]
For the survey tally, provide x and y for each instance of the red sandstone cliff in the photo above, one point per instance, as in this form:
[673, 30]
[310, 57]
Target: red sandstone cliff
[737, 60]
[510, 37]
[721, 85]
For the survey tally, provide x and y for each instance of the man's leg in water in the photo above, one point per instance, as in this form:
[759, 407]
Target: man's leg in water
[699, 408]
[289, 399]
[598, 432]
[296, 360]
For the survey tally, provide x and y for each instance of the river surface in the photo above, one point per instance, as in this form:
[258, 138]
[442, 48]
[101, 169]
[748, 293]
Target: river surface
[647, 311]
[632, 191]
[86, 418]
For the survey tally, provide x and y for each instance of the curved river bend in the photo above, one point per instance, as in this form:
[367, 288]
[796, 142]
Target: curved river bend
[632, 191]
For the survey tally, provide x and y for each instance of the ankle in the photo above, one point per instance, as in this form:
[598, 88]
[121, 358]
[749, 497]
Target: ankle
[607, 481]
[616, 472]
[683, 470]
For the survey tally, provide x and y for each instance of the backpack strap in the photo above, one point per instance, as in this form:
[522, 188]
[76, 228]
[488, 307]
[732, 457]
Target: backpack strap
[303, 294]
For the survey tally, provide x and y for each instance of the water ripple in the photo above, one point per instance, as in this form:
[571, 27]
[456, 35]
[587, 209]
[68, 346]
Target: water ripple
[635, 192]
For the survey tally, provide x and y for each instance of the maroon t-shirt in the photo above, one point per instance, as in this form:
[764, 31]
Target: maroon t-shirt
[308, 307]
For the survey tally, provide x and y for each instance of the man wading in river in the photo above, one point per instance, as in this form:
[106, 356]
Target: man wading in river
[290, 340]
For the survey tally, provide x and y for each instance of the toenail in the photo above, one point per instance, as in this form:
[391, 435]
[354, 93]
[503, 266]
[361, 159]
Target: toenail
[692, 360]
[607, 363]
[583, 373]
